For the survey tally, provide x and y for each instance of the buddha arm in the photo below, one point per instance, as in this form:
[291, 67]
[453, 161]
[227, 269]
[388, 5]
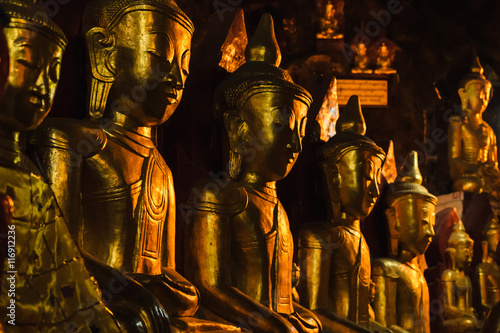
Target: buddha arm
[482, 278]
[314, 263]
[457, 165]
[208, 266]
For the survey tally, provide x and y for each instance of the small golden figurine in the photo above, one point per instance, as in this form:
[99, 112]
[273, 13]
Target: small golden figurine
[329, 25]
[472, 147]
[333, 256]
[488, 272]
[457, 288]
[361, 60]
[384, 61]
[401, 294]
[46, 286]
[239, 247]
[109, 176]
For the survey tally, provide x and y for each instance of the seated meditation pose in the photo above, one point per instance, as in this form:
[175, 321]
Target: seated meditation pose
[384, 61]
[457, 288]
[334, 258]
[361, 60]
[472, 147]
[401, 294]
[109, 176]
[488, 272]
[239, 247]
[46, 286]
[329, 25]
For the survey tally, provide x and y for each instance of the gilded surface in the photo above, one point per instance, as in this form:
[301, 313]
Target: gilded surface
[333, 256]
[47, 279]
[488, 271]
[457, 287]
[239, 247]
[472, 148]
[110, 176]
[401, 294]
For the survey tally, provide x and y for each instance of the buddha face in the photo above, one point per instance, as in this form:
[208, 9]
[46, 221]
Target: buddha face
[272, 131]
[415, 219]
[151, 64]
[475, 97]
[35, 62]
[463, 254]
[356, 184]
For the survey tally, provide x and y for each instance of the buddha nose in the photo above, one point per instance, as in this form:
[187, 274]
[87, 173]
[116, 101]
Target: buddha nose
[296, 142]
[374, 190]
[41, 84]
[174, 76]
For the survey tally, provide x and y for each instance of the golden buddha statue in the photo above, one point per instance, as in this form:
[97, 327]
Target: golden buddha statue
[239, 247]
[488, 272]
[401, 294]
[46, 286]
[472, 148]
[333, 256]
[108, 173]
[329, 25]
[457, 288]
[361, 60]
[384, 61]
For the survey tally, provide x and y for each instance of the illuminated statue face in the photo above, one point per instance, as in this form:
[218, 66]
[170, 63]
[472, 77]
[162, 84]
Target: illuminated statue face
[273, 128]
[384, 51]
[475, 97]
[151, 65]
[356, 185]
[35, 62]
[463, 254]
[415, 218]
[361, 49]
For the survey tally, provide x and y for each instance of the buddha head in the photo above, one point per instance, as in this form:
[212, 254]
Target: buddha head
[474, 90]
[36, 45]
[264, 112]
[352, 165]
[411, 212]
[139, 53]
[491, 237]
[460, 248]
[383, 51]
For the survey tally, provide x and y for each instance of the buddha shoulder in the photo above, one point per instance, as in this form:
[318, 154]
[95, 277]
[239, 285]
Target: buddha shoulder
[219, 197]
[449, 275]
[320, 235]
[78, 136]
[386, 267]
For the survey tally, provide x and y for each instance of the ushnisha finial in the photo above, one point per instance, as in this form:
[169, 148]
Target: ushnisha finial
[409, 181]
[459, 235]
[491, 227]
[351, 119]
[351, 129]
[474, 74]
[410, 173]
[259, 74]
[263, 45]
[476, 66]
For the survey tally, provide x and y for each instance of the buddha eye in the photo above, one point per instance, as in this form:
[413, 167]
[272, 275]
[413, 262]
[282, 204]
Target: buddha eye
[303, 127]
[26, 63]
[55, 71]
[186, 57]
[161, 47]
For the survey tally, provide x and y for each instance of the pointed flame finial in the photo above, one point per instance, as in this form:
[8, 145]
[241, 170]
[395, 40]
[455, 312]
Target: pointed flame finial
[476, 66]
[410, 173]
[263, 45]
[351, 118]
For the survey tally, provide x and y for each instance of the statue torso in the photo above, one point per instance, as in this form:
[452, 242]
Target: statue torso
[125, 203]
[262, 251]
[52, 283]
[491, 272]
[476, 142]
